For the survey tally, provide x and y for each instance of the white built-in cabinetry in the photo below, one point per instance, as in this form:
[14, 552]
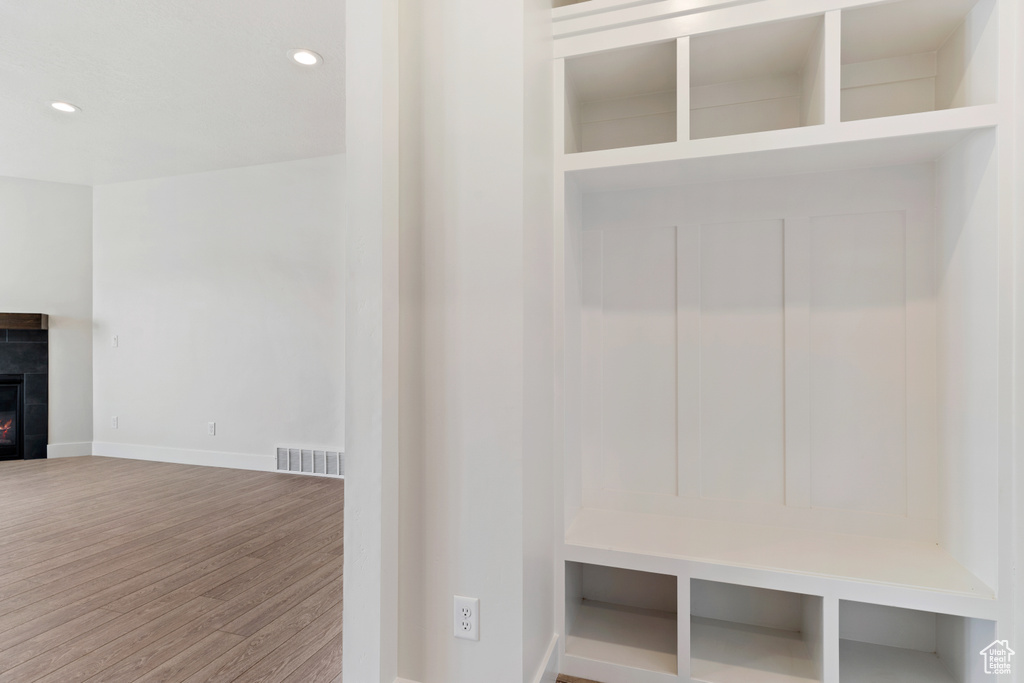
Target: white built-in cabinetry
[782, 378]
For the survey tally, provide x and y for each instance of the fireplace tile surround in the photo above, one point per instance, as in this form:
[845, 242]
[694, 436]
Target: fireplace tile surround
[26, 352]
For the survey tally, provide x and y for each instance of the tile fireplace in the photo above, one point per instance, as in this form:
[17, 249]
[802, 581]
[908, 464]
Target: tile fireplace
[24, 380]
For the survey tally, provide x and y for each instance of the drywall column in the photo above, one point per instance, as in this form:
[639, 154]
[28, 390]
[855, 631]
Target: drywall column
[539, 645]
[371, 336]
[1017, 530]
[470, 522]
[475, 281]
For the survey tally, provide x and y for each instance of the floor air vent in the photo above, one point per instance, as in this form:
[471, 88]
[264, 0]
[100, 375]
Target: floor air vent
[328, 463]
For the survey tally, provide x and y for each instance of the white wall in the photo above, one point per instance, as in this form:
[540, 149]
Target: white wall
[226, 292]
[46, 231]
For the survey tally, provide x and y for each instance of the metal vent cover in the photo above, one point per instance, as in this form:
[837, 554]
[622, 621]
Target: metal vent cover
[305, 461]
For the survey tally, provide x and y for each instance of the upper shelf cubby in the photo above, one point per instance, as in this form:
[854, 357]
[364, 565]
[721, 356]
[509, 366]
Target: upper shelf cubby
[621, 98]
[917, 55]
[757, 78]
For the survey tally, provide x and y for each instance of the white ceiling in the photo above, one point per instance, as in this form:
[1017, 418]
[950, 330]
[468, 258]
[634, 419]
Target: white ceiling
[166, 87]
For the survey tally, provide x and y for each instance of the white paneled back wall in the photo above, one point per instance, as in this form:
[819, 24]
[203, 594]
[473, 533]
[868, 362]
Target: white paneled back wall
[764, 350]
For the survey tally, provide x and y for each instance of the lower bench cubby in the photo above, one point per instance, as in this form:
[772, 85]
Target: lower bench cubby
[879, 644]
[633, 626]
[622, 616]
[740, 634]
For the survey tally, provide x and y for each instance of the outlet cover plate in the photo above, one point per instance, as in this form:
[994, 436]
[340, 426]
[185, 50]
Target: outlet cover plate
[466, 618]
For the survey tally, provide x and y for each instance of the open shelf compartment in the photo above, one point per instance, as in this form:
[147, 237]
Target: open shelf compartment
[887, 643]
[622, 617]
[757, 78]
[917, 55]
[621, 98]
[740, 634]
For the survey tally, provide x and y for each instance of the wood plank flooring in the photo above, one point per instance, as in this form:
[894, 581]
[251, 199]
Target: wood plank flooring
[114, 571]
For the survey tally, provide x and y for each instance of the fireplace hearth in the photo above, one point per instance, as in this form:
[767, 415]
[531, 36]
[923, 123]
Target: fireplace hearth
[24, 381]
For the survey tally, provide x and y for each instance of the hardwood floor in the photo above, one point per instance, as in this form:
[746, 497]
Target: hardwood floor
[124, 570]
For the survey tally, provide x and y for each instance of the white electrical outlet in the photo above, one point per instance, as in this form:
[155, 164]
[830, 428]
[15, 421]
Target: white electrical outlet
[211, 427]
[467, 618]
[113, 422]
[114, 341]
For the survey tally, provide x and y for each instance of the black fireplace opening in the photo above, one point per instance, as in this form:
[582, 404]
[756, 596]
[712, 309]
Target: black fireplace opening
[12, 417]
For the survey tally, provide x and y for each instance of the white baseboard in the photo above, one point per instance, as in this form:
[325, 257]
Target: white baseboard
[68, 450]
[183, 456]
[547, 672]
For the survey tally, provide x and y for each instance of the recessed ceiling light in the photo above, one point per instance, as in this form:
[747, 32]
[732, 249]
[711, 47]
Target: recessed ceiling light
[305, 57]
[64, 107]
